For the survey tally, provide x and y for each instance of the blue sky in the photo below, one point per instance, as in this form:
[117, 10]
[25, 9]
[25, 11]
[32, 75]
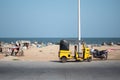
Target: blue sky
[59, 18]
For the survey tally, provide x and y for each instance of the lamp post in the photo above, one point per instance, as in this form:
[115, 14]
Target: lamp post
[79, 28]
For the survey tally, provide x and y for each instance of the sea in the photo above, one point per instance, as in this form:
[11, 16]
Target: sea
[57, 40]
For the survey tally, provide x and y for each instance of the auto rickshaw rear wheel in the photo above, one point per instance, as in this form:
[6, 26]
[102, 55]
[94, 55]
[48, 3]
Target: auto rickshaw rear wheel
[89, 59]
[63, 59]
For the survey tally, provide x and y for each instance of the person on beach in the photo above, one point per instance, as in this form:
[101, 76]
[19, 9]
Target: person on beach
[15, 50]
[0, 47]
[9, 51]
[92, 50]
[75, 50]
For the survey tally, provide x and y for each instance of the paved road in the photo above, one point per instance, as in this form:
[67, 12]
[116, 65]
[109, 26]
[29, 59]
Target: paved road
[95, 70]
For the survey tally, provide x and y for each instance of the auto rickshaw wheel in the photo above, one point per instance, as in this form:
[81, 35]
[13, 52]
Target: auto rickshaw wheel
[89, 59]
[63, 59]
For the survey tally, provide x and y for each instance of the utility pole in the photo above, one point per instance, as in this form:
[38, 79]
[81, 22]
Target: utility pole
[79, 29]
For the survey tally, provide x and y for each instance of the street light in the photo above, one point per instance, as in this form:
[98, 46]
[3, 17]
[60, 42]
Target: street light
[79, 28]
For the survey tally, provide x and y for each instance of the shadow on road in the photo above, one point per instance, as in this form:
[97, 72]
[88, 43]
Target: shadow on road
[56, 61]
[94, 60]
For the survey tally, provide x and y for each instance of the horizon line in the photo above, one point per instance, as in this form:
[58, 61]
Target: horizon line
[59, 37]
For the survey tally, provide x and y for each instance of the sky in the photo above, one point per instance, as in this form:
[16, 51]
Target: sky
[59, 18]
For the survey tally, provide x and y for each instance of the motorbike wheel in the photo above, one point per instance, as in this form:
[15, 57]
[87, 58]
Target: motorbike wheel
[104, 57]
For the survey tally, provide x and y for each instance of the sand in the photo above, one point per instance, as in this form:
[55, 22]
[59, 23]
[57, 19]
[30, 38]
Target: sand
[50, 53]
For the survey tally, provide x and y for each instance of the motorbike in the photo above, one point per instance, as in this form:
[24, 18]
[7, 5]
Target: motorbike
[103, 54]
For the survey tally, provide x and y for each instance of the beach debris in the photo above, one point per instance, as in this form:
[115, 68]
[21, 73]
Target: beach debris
[40, 50]
[23, 43]
[96, 45]
[118, 43]
[104, 44]
[33, 45]
[111, 43]
[49, 43]
[38, 46]
[10, 58]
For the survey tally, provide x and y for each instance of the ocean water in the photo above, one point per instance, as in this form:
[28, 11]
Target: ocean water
[57, 40]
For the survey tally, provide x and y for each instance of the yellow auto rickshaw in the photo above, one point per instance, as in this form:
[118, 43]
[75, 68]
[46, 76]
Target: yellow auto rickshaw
[65, 54]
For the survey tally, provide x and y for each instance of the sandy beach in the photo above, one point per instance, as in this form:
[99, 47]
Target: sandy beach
[50, 53]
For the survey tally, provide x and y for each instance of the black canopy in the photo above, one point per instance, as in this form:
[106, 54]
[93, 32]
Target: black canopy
[64, 45]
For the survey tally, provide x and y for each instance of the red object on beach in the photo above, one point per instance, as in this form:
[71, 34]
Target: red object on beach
[115, 49]
[15, 48]
[110, 50]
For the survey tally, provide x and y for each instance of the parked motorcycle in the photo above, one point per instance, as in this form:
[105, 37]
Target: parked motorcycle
[103, 54]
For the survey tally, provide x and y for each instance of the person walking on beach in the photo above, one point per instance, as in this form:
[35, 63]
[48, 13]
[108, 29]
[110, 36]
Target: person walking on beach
[15, 50]
[92, 50]
[0, 47]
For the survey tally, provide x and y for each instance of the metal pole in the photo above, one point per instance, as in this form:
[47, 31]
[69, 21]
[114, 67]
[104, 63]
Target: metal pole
[79, 28]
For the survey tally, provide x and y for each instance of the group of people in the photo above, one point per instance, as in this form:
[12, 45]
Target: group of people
[14, 50]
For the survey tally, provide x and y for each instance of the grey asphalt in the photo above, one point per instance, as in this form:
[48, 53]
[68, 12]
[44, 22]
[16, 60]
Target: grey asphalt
[30, 70]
